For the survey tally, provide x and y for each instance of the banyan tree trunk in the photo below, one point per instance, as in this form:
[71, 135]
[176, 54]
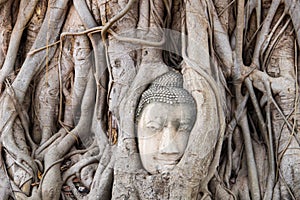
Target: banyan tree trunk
[72, 74]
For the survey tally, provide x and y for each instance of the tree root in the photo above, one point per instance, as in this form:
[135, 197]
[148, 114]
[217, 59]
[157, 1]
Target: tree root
[264, 32]
[19, 155]
[52, 183]
[27, 8]
[74, 190]
[78, 166]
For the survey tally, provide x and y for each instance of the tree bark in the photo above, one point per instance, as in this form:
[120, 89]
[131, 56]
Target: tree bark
[72, 74]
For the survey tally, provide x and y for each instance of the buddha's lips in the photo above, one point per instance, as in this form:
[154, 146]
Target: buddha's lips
[167, 161]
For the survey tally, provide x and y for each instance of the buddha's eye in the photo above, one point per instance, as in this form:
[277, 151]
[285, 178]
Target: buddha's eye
[184, 128]
[154, 126]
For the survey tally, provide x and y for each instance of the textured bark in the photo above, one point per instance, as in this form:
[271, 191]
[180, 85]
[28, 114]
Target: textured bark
[72, 74]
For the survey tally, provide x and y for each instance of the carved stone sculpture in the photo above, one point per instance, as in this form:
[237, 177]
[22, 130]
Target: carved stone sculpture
[165, 116]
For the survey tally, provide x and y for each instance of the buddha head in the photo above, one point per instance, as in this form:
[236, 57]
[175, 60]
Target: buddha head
[165, 117]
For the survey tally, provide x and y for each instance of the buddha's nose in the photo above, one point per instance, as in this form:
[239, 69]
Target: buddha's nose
[168, 143]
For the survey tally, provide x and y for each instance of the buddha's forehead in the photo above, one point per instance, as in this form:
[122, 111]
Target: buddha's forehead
[163, 111]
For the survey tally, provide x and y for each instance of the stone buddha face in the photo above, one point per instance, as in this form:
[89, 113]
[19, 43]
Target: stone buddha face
[166, 116]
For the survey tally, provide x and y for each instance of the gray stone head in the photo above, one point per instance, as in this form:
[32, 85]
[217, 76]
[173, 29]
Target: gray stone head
[165, 117]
